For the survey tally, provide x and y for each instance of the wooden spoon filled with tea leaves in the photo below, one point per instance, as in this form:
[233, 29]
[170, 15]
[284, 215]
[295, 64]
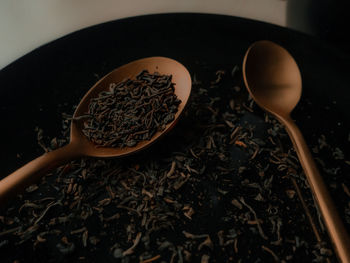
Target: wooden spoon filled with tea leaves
[124, 112]
[273, 79]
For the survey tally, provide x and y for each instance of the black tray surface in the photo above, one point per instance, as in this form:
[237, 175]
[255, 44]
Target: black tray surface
[39, 86]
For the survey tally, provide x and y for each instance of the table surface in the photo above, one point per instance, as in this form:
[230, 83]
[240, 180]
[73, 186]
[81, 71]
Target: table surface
[26, 25]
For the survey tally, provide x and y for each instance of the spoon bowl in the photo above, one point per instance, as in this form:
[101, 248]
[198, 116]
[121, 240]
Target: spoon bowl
[277, 93]
[162, 65]
[80, 145]
[273, 79]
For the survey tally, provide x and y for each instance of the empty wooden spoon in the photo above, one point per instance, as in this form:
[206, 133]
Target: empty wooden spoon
[273, 79]
[79, 144]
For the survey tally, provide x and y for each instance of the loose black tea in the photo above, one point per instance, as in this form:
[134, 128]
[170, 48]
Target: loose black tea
[132, 110]
[225, 186]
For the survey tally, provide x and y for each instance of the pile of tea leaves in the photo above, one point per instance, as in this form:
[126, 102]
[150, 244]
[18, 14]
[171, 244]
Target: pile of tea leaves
[223, 186]
[132, 110]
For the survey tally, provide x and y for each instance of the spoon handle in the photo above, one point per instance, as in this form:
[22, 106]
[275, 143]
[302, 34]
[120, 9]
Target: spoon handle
[34, 170]
[324, 201]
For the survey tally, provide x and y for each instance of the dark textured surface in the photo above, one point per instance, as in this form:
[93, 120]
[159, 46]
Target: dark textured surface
[38, 87]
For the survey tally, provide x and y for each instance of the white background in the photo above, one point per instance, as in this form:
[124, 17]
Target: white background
[28, 24]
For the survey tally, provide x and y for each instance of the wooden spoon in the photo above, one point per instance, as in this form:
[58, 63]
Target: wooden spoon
[79, 145]
[273, 79]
